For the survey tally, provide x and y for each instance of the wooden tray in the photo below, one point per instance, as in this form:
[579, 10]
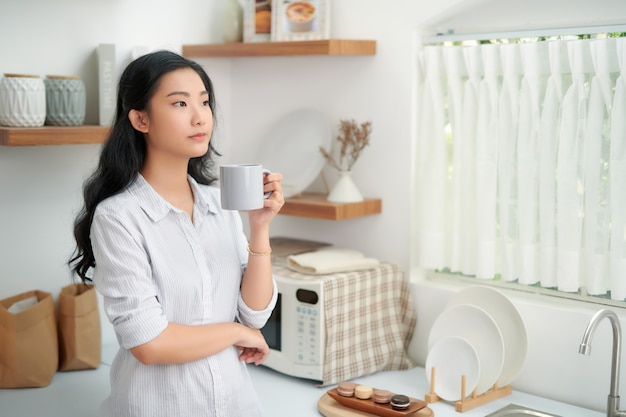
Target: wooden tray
[328, 407]
[382, 410]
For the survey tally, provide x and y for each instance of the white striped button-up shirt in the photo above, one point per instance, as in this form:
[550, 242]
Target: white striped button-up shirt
[154, 266]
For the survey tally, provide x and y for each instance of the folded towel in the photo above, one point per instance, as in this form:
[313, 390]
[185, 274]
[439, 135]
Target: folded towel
[328, 261]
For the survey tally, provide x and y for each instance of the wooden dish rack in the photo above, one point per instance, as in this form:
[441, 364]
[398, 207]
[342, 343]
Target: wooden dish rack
[468, 402]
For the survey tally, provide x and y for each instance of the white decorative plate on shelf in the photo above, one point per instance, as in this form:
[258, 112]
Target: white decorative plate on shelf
[509, 321]
[452, 357]
[481, 331]
[291, 147]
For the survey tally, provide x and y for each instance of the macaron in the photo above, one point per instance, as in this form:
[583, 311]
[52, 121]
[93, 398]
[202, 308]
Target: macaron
[381, 396]
[400, 402]
[346, 389]
[363, 392]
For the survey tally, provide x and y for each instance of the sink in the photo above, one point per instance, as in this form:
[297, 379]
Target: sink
[514, 410]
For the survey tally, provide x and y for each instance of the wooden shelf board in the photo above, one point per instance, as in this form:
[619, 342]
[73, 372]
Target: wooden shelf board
[52, 135]
[315, 206]
[318, 47]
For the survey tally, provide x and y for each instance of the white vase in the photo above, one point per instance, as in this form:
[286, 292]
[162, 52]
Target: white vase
[345, 190]
[22, 101]
[232, 21]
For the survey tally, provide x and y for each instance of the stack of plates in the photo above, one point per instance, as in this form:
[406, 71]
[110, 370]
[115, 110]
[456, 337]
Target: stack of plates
[480, 335]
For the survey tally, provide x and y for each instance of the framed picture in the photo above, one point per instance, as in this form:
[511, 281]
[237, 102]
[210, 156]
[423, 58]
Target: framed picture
[300, 20]
[257, 20]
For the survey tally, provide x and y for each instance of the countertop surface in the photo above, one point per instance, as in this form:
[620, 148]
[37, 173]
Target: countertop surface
[78, 394]
[281, 395]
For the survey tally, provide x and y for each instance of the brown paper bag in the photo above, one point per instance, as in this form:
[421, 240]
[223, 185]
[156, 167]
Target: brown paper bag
[80, 344]
[29, 354]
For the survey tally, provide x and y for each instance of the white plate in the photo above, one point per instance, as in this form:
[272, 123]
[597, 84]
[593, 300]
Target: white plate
[291, 147]
[481, 331]
[452, 358]
[509, 321]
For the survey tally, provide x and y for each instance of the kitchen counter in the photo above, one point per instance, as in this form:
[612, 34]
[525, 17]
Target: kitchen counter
[281, 395]
[78, 394]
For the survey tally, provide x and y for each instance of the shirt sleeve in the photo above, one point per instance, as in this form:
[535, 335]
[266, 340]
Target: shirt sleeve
[256, 318]
[123, 276]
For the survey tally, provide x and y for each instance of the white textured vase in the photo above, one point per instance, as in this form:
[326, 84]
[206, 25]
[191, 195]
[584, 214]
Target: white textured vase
[345, 190]
[22, 101]
[232, 21]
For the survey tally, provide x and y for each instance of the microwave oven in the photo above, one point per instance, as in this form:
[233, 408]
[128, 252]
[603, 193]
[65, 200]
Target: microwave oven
[295, 331]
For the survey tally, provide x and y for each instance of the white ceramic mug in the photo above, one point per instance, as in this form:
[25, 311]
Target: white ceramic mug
[241, 186]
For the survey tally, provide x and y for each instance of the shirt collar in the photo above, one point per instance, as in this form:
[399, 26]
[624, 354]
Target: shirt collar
[202, 203]
[156, 207]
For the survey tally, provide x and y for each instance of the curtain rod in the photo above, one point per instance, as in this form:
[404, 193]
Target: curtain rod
[532, 33]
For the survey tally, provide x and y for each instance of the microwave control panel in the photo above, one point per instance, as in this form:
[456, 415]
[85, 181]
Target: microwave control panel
[308, 318]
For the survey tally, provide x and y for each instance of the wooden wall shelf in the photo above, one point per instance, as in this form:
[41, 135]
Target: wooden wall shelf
[52, 135]
[315, 206]
[321, 47]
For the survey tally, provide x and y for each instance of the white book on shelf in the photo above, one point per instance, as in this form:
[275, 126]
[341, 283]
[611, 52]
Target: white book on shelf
[106, 83]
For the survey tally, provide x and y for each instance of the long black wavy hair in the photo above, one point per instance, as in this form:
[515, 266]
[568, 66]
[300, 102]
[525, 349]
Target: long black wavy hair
[124, 152]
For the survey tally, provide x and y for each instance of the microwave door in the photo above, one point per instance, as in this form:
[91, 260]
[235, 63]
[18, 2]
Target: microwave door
[272, 331]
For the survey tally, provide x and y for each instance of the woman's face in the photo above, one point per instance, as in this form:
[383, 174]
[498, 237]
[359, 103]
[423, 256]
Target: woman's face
[179, 119]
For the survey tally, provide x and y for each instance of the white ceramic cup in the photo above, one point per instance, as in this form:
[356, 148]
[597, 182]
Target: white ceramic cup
[241, 186]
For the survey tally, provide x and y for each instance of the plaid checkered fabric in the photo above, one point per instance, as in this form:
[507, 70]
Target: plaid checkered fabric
[370, 319]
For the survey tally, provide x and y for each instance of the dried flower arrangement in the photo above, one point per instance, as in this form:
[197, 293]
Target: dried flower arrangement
[353, 138]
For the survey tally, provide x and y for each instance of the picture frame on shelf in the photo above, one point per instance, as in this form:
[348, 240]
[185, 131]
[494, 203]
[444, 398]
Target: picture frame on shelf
[295, 20]
[257, 20]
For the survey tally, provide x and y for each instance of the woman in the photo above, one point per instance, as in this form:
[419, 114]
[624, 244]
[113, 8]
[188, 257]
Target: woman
[185, 291]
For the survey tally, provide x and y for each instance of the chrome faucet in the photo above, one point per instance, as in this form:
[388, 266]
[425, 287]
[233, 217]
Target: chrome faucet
[585, 349]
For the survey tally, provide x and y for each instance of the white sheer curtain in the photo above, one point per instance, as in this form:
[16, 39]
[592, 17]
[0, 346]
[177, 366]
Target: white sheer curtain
[521, 162]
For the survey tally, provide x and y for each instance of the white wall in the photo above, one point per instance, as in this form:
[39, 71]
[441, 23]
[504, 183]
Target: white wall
[40, 186]
[376, 88]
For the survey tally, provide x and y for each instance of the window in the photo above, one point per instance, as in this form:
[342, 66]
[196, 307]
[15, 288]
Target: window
[520, 165]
